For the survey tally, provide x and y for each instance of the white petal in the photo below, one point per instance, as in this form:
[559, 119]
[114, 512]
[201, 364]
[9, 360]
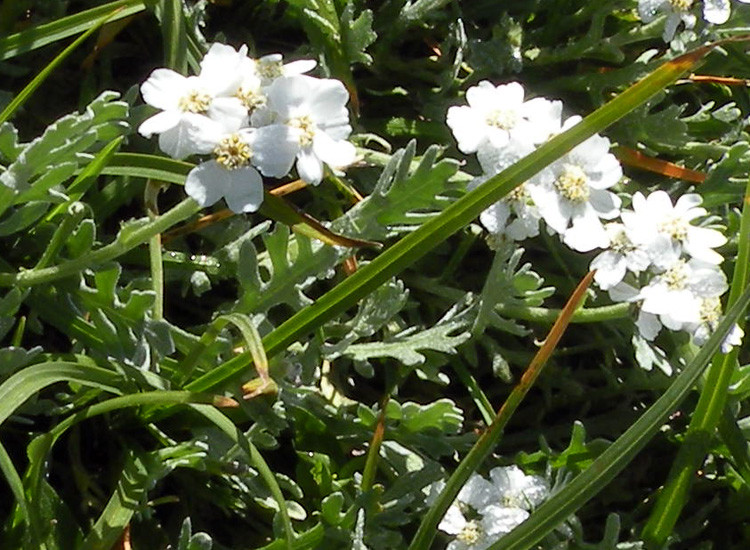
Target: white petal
[274, 149]
[716, 11]
[497, 520]
[221, 69]
[309, 166]
[245, 190]
[164, 88]
[299, 67]
[467, 126]
[610, 269]
[207, 183]
[229, 112]
[333, 153]
[648, 325]
[160, 122]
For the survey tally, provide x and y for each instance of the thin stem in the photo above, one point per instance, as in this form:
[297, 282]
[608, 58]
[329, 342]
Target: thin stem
[154, 250]
[123, 243]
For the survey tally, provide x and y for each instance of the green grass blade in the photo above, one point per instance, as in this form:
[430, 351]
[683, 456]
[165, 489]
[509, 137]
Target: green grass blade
[175, 37]
[16, 486]
[87, 176]
[22, 385]
[459, 214]
[31, 87]
[618, 455]
[256, 459]
[41, 35]
[137, 165]
[705, 420]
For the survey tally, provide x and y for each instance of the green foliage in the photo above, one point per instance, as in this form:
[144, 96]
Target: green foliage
[388, 364]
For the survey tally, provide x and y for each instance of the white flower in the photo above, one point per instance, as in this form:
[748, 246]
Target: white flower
[572, 195]
[314, 113]
[498, 115]
[270, 67]
[257, 75]
[622, 255]
[657, 225]
[515, 216]
[717, 11]
[710, 316]
[231, 173]
[189, 103]
[677, 11]
[677, 294]
[518, 490]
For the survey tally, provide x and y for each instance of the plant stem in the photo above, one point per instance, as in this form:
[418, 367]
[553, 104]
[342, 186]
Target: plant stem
[122, 244]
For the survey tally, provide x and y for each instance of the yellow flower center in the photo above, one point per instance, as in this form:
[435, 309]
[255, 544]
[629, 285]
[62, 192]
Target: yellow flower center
[619, 242]
[675, 227]
[505, 119]
[306, 127]
[710, 311]
[676, 277]
[519, 194]
[573, 183]
[251, 99]
[471, 533]
[270, 69]
[681, 5]
[195, 102]
[232, 152]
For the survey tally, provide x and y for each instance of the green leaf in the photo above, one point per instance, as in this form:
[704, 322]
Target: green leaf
[23, 217]
[65, 141]
[357, 34]
[139, 475]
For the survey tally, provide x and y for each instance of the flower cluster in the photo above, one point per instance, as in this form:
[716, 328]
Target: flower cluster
[653, 256]
[679, 11]
[486, 510]
[255, 117]
[660, 260]
[572, 195]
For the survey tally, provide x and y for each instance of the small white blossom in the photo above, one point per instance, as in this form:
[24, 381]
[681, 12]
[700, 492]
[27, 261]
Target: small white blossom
[314, 113]
[710, 316]
[658, 225]
[623, 255]
[497, 115]
[232, 173]
[676, 295]
[678, 11]
[189, 103]
[515, 216]
[572, 194]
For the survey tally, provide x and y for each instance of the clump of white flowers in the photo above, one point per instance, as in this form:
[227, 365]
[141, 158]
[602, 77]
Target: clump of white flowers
[254, 117]
[653, 255]
[667, 265]
[485, 510]
[715, 12]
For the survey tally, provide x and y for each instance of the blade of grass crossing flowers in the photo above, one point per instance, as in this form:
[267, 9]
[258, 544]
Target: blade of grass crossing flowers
[618, 455]
[707, 415]
[415, 245]
[41, 35]
[484, 446]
